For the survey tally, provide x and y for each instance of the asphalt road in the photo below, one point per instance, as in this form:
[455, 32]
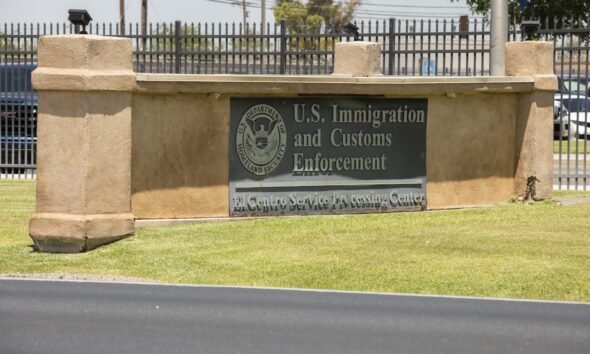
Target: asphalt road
[70, 317]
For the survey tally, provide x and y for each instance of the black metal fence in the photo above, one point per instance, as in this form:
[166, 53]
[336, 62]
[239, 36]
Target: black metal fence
[409, 48]
[451, 47]
[571, 61]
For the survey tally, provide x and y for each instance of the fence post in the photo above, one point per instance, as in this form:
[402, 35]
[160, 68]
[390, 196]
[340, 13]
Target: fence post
[177, 29]
[391, 44]
[283, 54]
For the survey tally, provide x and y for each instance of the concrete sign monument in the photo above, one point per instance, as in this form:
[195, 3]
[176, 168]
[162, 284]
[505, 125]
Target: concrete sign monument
[116, 146]
[326, 155]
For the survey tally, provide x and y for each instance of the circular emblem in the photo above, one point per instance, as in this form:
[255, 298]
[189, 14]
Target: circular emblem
[261, 139]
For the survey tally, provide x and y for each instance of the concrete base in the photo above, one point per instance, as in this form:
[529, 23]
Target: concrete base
[72, 233]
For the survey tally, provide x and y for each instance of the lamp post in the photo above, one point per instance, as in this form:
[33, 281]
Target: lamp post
[79, 18]
[352, 30]
[529, 27]
[122, 16]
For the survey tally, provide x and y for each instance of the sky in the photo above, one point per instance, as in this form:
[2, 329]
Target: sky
[13, 11]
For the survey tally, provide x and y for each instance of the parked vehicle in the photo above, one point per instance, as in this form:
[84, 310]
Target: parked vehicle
[560, 119]
[575, 85]
[578, 114]
[561, 88]
[18, 117]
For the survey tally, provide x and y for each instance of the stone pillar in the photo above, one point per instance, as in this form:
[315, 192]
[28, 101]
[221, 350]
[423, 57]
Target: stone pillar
[534, 125]
[357, 59]
[85, 86]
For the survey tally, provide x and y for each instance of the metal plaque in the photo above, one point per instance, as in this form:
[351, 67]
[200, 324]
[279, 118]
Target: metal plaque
[326, 155]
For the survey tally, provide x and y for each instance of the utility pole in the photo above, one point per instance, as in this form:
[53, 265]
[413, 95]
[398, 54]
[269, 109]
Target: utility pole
[143, 23]
[245, 12]
[499, 36]
[122, 17]
[263, 15]
[262, 23]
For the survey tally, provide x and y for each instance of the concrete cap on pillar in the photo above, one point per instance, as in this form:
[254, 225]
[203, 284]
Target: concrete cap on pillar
[529, 58]
[88, 52]
[357, 59]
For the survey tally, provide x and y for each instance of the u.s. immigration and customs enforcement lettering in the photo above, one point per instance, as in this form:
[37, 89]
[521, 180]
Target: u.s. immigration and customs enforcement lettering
[327, 155]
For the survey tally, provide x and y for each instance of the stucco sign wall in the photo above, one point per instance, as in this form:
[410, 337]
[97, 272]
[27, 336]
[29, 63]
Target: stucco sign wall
[326, 155]
[331, 147]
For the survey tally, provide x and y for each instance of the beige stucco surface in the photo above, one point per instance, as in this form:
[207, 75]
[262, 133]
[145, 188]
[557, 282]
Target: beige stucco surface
[534, 132]
[534, 143]
[470, 150]
[77, 232]
[277, 85]
[180, 156]
[357, 58]
[89, 52]
[76, 150]
[529, 58]
[58, 153]
[180, 152]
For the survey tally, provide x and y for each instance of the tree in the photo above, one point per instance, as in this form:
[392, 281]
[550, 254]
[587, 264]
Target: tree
[308, 18]
[551, 13]
[192, 38]
[291, 11]
[11, 43]
[4, 44]
[311, 15]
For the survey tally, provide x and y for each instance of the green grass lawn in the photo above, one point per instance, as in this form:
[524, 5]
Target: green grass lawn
[539, 251]
[575, 147]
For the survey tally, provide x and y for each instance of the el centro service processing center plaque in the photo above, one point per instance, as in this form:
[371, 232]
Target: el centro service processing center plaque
[326, 155]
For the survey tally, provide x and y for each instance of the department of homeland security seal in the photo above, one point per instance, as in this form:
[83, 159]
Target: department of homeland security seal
[261, 139]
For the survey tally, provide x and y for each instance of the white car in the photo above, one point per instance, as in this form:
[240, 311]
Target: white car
[575, 115]
[560, 119]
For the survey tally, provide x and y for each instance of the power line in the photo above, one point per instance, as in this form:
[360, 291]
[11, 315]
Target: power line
[155, 10]
[257, 4]
[385, 5]
[372, 12]
[377, 17]
[402, 13]
[414, 6]
[236, 3]
[409, 18]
